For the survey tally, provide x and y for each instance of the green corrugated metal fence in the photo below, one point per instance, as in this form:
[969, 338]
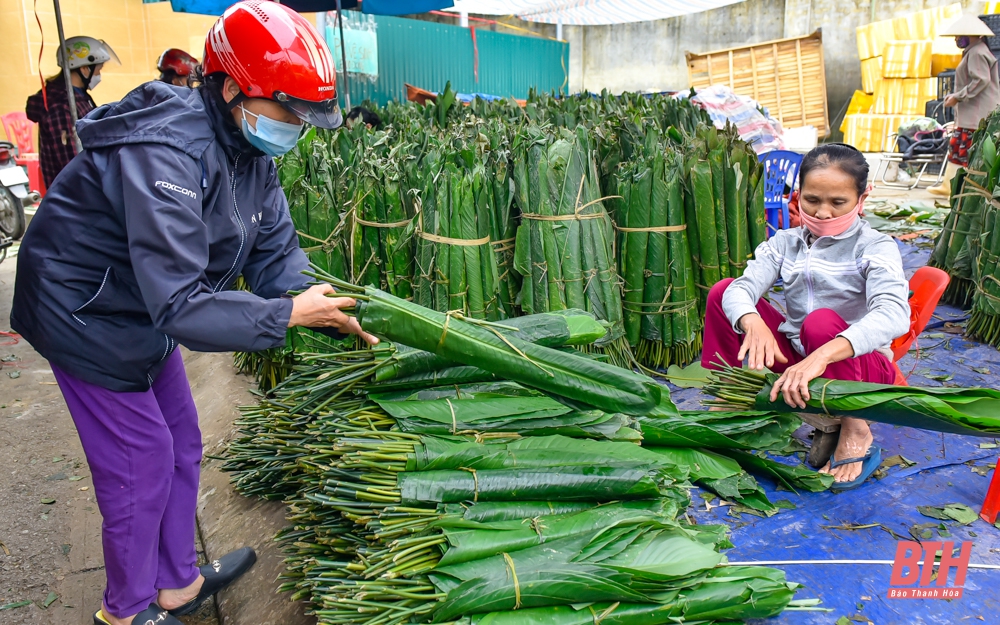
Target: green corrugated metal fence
[428, 55]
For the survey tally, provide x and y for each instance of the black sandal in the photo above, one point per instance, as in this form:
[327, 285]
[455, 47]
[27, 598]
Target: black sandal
[152, 614]
[218, 574]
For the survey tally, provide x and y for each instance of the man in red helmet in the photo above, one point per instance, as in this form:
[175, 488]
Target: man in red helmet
[135, 250]
[177, 68]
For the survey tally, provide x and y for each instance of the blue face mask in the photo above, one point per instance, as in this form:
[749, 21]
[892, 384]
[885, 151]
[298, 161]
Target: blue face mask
[271, 137]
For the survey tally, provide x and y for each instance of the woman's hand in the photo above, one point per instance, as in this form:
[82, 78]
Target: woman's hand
[759, 343]
[794, 382]
[950, 100]
[313, 309]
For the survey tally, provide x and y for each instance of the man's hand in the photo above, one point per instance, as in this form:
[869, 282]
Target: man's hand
[759, 344]
[313, 309]
[950, 100]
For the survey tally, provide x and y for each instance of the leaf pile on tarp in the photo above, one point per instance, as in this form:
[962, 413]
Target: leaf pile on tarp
[426, 560]
[743, 429]
[971, 411]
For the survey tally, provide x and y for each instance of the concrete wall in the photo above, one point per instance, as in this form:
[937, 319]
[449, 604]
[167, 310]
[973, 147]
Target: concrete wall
[649, 56]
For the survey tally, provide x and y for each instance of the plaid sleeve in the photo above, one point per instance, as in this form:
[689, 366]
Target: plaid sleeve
[57, 148]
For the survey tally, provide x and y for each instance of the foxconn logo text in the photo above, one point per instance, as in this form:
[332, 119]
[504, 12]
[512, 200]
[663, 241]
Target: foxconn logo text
[913, 570]
[173, 187]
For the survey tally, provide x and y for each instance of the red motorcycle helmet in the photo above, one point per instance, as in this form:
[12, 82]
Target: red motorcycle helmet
[177, 61]
[273, 52]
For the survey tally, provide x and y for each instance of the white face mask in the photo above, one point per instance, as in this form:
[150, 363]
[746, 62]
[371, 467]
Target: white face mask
[94, 81]
[272, 137]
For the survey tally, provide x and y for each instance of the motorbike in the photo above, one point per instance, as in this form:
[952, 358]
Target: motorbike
[5, 242]
[14, 194]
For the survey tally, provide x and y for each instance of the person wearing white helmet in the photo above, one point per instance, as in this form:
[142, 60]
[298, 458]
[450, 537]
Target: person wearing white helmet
[49, 108]
[977, 91]
[134, 252]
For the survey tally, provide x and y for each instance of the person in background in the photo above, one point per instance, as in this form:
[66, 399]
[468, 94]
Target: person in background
[360, 114]
[846, 297]
[977, 92]
[51, 111]
[135, 251]
[177, 68]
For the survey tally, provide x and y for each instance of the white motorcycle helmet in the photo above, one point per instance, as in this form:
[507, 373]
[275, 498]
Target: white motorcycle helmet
[84, 52]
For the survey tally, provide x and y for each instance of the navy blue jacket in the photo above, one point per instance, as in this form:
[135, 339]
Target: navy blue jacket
[138, 241]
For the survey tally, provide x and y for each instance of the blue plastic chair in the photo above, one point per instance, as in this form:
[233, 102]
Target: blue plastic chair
[780, 168]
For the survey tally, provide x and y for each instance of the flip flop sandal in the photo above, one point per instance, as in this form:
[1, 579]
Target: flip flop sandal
[870, 463]
[153, 615]
[218, 574]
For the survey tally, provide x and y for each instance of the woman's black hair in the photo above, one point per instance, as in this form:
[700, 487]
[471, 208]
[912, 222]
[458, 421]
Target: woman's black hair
[167, 76]
[367, 117]
[846, 158]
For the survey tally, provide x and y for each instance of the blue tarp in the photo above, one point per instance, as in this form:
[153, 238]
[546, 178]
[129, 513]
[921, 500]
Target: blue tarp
[942, 474]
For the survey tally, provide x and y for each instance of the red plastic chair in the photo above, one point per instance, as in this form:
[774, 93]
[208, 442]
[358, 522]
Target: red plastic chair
[21, 131]
[928, 285]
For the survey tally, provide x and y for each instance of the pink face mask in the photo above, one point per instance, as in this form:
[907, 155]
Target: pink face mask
[834, 226]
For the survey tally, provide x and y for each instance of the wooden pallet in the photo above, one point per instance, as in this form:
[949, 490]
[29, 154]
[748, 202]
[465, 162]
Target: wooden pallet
[787, 76]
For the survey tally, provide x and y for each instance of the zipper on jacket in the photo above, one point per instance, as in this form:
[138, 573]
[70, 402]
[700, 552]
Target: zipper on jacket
[239, 220]
[809, 281]
[104, 281]
[166, 352]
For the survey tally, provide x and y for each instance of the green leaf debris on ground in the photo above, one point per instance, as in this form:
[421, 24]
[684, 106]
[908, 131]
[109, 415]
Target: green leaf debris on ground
[14, 606]
[983, 469]
[50, 600]
[958, 512]
[892, 461]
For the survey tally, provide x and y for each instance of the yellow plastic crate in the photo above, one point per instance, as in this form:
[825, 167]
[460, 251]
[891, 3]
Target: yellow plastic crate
[872, 133]
[907, 59]
[873, 37]
[871, 73]
[991, 8]
[861, 102]
[925, 24]
[903, 96]
[945, 55]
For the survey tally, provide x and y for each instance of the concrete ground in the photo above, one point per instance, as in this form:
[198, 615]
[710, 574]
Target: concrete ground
[51, 564]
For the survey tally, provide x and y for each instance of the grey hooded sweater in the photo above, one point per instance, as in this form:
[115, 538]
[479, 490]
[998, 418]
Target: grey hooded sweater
[857, 274]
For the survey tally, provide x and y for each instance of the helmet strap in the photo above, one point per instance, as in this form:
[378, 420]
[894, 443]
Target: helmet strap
[86, 79]
[240, 98]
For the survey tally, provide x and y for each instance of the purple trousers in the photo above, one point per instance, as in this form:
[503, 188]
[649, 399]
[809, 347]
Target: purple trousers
[144, 451]
[819, 328]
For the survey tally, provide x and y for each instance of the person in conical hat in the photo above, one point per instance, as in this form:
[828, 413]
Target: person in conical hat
[977, 91]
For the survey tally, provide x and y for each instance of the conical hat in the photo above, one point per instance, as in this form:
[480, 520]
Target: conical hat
[967, 25]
